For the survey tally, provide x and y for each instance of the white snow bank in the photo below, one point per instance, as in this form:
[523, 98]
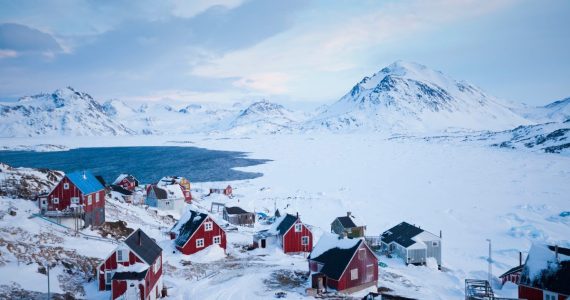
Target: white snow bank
[138, 267]
[540, 258]
[329, 241]
[210, 254]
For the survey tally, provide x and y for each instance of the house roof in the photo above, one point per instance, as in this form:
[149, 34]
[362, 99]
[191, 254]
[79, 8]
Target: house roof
[235, 210]
[143, 246]
[346, 222]
[85, 182]
[129, 275]
[401, 234]
[335, 254]
[187, 225]
[543, 270]
[158, 192]
[286, 223]
[129, 178]
[512, 271]
[120, 189]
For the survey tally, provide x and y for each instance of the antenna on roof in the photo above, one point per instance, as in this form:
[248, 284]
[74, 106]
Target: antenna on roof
[84, 176]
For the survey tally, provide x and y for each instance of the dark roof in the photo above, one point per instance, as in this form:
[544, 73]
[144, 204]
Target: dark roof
[120, 189]
[335, 260]
[191, 223]
[235, 210]
[554, 279]
[286, 223]
[143, 246]
[346, 222]
[512, 270]
[101, 179]
[159, 193]
[128, 177]
[129, 275]
[401, 234]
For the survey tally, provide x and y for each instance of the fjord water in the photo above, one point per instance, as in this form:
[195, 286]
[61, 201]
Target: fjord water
[148, 164]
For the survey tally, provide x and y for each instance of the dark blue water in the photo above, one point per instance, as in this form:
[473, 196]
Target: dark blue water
[148, 164]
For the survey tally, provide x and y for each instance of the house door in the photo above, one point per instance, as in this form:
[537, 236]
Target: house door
[43, 204]
[262, 243]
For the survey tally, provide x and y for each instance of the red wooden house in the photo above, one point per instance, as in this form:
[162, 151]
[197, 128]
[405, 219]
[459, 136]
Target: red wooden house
[134, 269]
[289, 233]
[514, 274]
[342, 264]
[546, 274]
[78, 194]
[126, 181]
[195, 231]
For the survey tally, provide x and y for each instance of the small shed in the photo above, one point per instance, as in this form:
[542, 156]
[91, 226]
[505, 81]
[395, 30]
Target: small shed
[238, 216]
[348, 226]
[228, 191]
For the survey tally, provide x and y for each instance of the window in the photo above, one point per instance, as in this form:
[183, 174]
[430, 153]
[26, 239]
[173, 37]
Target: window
[361, 254]
[97, 197]
[122, 256]
[66, 186]
[369, 272]
[435, 243]
[157, 264]
[55, 200]
[549, 295]
[89, 200]
[74, 200]
[108, 276]
[304, 240]
[354, 274]
[208, 226]
[199, 243]
[298, 227]
[217, 240]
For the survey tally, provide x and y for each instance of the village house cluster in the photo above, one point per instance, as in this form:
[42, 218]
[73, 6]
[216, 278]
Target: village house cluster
[342, 261]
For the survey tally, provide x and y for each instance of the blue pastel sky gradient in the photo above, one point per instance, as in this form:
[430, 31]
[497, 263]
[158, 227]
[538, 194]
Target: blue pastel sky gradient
[295, 51]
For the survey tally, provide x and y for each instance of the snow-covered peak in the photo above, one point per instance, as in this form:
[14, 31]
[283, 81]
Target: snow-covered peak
[410, 97]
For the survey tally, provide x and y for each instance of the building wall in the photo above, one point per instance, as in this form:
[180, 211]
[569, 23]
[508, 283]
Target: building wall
[112, 264]
[208, 236]
[64, 195]
[434, 250]
[366, 275]
[529, 293]
[291, 241]
[242, 219]
[416, 256]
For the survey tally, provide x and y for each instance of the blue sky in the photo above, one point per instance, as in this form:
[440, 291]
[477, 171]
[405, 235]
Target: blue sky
[295, 51]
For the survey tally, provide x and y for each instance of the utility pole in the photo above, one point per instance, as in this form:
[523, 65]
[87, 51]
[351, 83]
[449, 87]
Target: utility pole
[490, 260]
[47, 268]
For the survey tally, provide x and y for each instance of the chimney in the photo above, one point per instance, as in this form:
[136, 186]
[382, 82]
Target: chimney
[348, 214]
[297, 215]
[140, 239]
[440, 236]
[84, 176]
[520, 258]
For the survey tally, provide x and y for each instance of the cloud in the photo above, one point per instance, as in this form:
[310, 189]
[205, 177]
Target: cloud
[6, 53]
[16, 38]
[270, 83]
[317, 46]
[188, 9]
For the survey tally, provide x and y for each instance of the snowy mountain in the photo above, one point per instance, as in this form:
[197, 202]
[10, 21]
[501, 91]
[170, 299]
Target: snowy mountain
[265, 117]
[63, 112]
[160, 118]
[557, 111]
[409, 97]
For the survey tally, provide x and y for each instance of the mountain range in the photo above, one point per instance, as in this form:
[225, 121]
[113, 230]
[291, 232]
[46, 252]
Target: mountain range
[403, 98]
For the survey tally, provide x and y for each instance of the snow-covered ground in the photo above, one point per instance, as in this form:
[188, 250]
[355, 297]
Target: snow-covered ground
[468, 191]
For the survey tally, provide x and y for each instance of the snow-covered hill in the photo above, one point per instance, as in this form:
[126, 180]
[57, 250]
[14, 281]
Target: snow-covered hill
[64, 112]
[265, 117]
[409, 97]
[557, 111]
